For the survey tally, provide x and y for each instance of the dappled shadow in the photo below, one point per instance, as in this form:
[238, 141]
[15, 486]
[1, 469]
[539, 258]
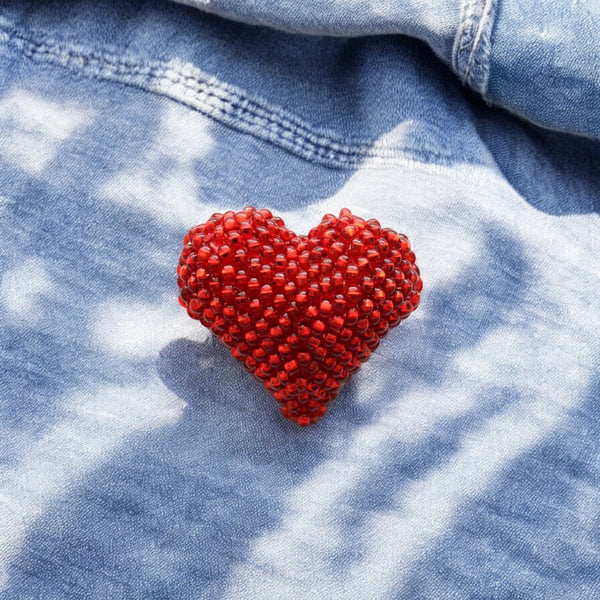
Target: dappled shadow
[191, 497]
[83, 246]
[458, 315]
[101, 242]
[175, 508]
[557, 173]
[541, 517]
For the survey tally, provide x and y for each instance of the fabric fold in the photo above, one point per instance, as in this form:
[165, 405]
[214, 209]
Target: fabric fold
[537, 60]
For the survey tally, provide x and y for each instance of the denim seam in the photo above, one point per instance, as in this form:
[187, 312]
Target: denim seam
[222, 102]
[473, 43]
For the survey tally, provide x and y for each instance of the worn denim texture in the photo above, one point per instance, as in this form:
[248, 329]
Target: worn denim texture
[138, 460]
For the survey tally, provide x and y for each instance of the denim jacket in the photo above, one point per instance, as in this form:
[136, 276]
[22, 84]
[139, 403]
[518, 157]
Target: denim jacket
[139, 460]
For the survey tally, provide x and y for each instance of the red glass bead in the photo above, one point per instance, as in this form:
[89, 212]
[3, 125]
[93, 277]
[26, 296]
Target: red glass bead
[303, 359]
[276, 332]
[325, 286]
[312, 312]
[262, 327]
[255, 307]
[318, 326]
[353, 295]
[280, 302]
[326, 266]
[351, 317]
[336, 322]
[303, 332]
[329, 339]
[336, 249]
[293, 340]
[291, 367]
[284, 350]
[251, 338]
[320, 353]
[313, 342]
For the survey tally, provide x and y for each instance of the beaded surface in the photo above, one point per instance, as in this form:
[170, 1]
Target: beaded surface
[302, 312]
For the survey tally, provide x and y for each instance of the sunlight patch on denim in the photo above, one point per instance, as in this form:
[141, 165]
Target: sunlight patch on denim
[95, 424]
[23, 289]
[137, 330]
[32, 128]
[166, 186]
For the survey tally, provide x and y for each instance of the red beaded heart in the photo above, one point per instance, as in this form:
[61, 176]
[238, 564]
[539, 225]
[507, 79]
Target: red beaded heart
[301, 312]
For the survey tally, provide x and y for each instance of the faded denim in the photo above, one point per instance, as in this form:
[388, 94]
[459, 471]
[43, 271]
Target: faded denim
[139, 461]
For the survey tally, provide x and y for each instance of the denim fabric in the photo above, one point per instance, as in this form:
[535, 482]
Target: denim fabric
[138, 460]
[536, 59]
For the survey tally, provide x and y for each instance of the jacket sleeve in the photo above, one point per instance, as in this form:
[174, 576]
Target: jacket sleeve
[539, 60]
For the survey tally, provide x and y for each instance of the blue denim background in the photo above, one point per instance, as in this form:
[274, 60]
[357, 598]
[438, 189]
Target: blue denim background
[138, 461]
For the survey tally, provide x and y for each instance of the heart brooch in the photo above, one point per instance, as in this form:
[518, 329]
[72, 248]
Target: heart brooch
[302, 312]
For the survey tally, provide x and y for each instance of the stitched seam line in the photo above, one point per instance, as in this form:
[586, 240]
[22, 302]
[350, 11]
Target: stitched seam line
[473, 43]
[225, 103]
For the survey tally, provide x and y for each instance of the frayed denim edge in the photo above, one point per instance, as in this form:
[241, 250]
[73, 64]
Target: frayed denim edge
[222, 102]
[473, 43]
